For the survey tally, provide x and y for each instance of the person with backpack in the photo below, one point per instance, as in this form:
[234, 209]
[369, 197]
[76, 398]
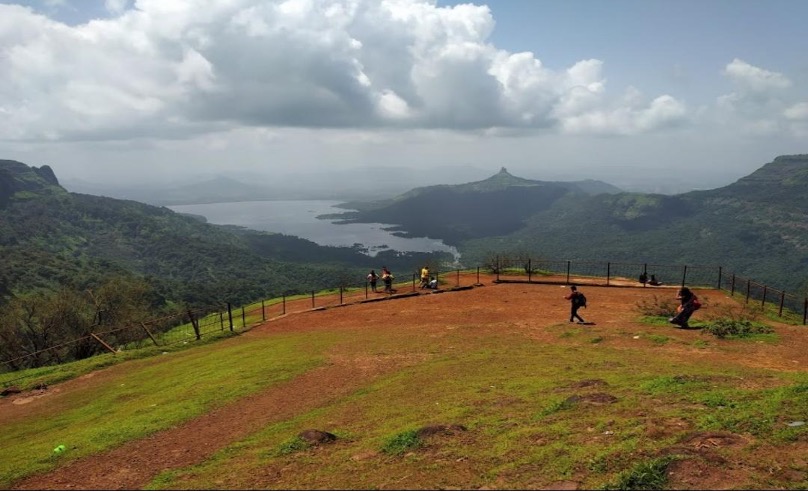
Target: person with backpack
[577, 301]
[689, 303]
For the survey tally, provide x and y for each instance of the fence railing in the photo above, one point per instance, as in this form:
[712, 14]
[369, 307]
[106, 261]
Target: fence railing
[191, 325]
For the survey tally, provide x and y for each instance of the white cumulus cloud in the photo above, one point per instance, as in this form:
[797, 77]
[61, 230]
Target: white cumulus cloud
[798, 111]
[763, 102]
[753, 79]
[185, 67]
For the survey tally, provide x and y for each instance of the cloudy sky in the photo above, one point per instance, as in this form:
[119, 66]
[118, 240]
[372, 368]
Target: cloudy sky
[700, 92]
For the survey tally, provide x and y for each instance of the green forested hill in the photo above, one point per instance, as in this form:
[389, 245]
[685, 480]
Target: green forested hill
[51, 239]
[455, 213]
[757, 227]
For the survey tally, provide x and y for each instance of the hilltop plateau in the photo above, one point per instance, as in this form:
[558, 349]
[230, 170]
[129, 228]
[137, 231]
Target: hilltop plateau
[483, 388]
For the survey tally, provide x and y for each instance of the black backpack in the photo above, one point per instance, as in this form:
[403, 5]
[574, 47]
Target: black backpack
[580, 299]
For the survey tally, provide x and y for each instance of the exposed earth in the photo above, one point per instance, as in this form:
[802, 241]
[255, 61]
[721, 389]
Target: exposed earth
[536, 310]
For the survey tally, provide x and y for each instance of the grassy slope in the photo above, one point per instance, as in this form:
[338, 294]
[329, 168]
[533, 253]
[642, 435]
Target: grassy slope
[150, 395]
[508, 384]
[512, 396]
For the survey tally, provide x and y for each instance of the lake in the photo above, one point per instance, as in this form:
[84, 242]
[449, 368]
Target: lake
[299, 218]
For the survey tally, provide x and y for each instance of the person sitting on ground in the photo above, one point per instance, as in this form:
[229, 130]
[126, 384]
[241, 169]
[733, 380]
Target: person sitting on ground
[433, 283]
[643, 279]
[654, 281]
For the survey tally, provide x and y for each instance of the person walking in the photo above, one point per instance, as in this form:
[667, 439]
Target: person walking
[688, 304]
[577, 301]
[372, 279]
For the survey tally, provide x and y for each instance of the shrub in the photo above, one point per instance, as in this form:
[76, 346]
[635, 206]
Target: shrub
[656, 306]
[736, 323]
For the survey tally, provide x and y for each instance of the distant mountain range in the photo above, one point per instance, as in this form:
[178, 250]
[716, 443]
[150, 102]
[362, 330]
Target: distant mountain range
[757, 225]
[362, 183]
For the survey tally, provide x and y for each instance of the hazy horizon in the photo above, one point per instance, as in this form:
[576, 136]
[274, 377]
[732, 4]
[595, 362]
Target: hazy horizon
[657, 96]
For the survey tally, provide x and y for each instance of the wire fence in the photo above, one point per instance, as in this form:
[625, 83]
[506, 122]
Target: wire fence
[190, 325]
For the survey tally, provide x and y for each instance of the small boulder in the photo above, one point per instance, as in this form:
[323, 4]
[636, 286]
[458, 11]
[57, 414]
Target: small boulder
[431, 430]
[315, 437]
[11, 390]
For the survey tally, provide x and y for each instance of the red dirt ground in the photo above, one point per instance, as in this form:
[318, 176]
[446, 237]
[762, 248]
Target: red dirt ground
[134, 465]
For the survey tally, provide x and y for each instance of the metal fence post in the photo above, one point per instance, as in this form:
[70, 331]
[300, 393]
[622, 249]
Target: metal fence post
[782, 301]
[263, 312]
[684, 275]
[284, 304]
[243, 317]
[478, 275]
[195, 324]
[569, 263]
[748, 288]
[763, 304]
[608, 271]
[719, 278]
[230, 315]
[312, 299]
[805, 311]
[732, 290]
[340, 296]
[529, 269]
[221, 320]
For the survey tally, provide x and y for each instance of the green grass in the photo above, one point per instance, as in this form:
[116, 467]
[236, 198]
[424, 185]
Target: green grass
[292, 445]
[647, 475]
[29, 378]
[528, 419]
[152, 395]
[521, 421]
[402, 442]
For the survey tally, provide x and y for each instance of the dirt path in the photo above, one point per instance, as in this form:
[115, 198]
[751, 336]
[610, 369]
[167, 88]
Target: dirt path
[135, 464]
[522, 307]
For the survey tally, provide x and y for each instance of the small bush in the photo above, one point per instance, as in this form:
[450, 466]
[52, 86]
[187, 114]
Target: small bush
[649, 475]
[658, 306]
[736, 323]
[403, 442]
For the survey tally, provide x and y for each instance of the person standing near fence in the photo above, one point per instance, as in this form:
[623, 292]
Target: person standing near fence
[577, 301]
[387, 278]
[689, 303]
[424, 277]
[372, 279]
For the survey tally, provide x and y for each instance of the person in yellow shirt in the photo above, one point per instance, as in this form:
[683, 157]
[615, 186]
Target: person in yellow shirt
[425, 277]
